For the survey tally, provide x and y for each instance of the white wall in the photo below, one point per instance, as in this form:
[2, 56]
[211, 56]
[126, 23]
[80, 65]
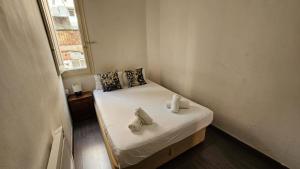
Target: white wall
[119, 29]
[238, 57]
[153, 39]
[87, 82]
[32, 100]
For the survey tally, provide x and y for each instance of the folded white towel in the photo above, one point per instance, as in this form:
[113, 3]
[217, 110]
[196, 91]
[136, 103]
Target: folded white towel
[183, 104]
[136, 124]
[145, 118]
[175, 103]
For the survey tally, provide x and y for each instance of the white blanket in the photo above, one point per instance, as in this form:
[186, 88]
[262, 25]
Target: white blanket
[116, 107]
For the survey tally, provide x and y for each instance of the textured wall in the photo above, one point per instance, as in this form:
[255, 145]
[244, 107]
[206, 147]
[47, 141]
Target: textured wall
[241, 59]
[32, 102]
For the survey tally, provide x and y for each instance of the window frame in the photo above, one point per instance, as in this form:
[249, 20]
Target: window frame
[53, 43]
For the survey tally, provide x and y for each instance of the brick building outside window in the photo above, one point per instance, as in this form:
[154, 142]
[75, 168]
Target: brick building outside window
[67, 33]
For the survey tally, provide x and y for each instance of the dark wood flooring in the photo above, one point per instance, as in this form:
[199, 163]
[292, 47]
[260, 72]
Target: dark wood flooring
[219, 151]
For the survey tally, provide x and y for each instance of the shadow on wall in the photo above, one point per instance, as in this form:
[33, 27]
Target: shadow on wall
[240, 59]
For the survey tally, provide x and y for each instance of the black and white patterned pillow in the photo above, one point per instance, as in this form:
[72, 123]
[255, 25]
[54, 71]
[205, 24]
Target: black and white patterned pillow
[135, 77]
[110, 81]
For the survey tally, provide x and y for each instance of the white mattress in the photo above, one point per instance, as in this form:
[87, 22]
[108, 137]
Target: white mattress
[116, 109]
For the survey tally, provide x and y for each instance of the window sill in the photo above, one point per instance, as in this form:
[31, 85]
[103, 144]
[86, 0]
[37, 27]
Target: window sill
[76, 72]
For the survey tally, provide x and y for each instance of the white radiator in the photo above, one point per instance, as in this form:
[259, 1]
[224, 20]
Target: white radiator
[60, 155]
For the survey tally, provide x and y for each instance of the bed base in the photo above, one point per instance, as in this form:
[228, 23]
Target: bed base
[158, 158]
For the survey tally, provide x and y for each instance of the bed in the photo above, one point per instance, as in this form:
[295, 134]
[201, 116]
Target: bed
[169, 136]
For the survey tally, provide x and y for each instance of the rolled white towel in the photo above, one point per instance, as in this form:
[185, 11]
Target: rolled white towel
[183, 104]
[136, 124]
[145, 118]
[175, 103]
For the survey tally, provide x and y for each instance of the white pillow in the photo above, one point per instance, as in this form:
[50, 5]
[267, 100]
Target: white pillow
[144, 74]
[120, 76]
[98, 82]
[125, 80]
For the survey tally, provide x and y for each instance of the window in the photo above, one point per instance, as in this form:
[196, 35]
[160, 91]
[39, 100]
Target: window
[63, 27]
[74, 59]
[71, 12]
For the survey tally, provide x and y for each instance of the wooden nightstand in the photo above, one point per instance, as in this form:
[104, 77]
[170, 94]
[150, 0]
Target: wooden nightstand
[81, 107]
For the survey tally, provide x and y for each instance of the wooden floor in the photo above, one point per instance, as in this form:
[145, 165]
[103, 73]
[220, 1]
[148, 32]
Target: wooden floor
[219, 151]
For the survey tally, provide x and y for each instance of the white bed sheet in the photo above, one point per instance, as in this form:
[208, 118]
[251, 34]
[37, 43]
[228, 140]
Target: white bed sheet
[116, 109]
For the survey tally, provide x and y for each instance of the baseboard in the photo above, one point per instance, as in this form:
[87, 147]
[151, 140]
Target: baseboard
[246, 146]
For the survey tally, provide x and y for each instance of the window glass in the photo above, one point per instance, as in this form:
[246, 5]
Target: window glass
[67, 32]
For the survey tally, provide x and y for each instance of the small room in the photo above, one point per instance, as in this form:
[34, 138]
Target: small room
[146, 84]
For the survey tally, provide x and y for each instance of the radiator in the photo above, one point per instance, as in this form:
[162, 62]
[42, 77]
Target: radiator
[60, 155]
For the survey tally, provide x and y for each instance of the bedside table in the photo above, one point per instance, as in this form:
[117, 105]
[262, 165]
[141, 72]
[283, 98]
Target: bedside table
[81, 107]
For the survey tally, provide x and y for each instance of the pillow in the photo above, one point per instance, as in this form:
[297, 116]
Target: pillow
[135, 77]
[99, 85]
[125, 80]
[120, 75]
[98, 82]
[110, 81]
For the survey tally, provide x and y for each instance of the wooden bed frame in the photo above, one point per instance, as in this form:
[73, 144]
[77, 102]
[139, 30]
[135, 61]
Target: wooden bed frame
[159, 157]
